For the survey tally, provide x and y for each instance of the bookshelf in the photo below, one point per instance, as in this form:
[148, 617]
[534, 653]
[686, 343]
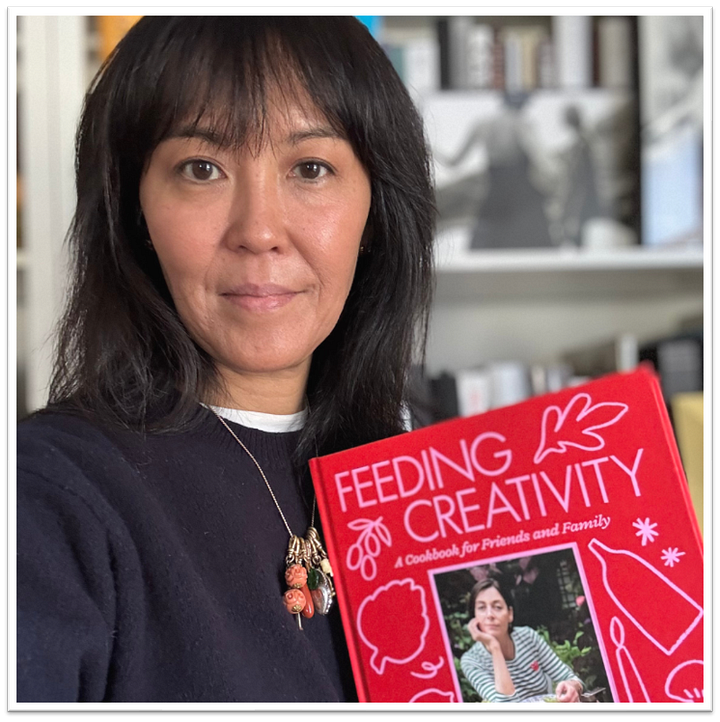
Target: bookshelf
[504, 275]
[532, 305]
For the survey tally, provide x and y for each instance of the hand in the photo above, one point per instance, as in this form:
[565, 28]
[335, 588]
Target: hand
[478, 635]
[567, 692]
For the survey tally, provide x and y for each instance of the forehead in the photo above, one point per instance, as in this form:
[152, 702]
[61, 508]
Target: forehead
[283, 117]
[489, 595]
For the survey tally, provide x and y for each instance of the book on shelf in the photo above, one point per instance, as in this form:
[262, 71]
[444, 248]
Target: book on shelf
[572, 39]
[474, 391]
[523, 57]
[566, 52]
[678, 361]
[575, 501]
[480, 41]
[497, 384]
[471, 391]
[618, 354]
[112, 29]
[615, 52]
[415, 57]
[687, 412]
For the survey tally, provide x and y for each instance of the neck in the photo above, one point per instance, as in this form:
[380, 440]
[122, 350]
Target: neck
[270, 393]
[507, 646]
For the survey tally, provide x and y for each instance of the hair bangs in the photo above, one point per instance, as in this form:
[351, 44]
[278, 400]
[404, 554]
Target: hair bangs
[224, 77]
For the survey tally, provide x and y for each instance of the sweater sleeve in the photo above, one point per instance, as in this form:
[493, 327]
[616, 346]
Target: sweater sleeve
[483, 679]
[65, 593]
[551, 664]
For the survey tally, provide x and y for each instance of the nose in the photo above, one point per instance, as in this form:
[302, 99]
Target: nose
[256, 217]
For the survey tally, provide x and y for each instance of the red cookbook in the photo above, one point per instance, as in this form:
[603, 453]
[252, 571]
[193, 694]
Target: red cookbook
[576, 502]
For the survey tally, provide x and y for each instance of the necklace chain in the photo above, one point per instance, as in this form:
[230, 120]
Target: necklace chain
[307, 564]
[264, 478]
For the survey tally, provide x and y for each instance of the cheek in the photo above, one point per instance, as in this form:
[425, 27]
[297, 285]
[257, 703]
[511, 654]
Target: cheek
[183, 244]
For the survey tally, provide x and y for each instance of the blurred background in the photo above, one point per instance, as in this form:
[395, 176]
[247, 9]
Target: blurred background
[568, 165]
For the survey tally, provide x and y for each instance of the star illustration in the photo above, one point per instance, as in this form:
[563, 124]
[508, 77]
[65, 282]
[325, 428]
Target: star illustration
[671, 556]
[646, 530]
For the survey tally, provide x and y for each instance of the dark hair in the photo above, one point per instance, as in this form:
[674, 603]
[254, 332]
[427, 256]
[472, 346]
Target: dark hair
[123, 352]
[481, 587]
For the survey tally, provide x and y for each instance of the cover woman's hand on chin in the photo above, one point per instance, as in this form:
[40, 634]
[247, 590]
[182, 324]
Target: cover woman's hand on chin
[488, 640]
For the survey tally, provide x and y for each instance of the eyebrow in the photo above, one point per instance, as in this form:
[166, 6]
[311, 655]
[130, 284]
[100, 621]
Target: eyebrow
[321, 131]
[209, 136]
[214, 138]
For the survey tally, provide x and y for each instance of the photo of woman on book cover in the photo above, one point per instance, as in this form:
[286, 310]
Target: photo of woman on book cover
[509, 664]
[520, 630]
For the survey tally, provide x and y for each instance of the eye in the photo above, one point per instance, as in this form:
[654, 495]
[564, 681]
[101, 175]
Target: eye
[200, 170]
[312, 170]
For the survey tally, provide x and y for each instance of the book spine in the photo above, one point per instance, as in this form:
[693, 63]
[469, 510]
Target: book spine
[335, 559]
[674, 452]
[112, 29]
[443, 36]
[513, 61]
[498, 81]
[422, 66]
[546, 64]
[572, 36]
[509, 383]
[480, 56]
[615, 52]
[678, 362]
[459, 30]
[473, 392]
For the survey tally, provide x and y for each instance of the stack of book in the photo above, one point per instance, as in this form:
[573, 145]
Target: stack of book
[513, 55]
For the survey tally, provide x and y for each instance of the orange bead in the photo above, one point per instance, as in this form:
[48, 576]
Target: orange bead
[295, 576]
[309, 608]
[294, 601]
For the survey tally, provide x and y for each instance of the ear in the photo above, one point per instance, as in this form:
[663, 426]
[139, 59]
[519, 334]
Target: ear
[511, 615]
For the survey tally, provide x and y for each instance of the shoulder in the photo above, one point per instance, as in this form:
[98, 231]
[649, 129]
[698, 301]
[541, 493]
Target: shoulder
[50, 436]
[477, 654]
[50, 443]
[526, 635]
[65, 464]
[60, 430]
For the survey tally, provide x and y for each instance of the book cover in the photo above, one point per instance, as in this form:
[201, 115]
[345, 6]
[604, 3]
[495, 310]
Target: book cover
[577, 499]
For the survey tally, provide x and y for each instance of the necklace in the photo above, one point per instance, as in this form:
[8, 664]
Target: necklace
[307, 569]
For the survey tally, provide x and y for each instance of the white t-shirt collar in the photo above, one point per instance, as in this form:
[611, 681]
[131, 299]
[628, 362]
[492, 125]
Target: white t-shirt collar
[272, 423]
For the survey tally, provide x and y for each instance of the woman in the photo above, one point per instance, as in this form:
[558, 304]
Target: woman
[252, 264]
[511, 665]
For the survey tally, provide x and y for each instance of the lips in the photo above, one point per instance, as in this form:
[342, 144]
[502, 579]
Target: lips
[260, 297]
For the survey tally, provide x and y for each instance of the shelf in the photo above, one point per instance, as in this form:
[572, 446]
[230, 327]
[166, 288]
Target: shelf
[502, 275]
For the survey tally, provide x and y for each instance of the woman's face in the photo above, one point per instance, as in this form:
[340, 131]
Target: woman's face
[258, 247]
[492, 613]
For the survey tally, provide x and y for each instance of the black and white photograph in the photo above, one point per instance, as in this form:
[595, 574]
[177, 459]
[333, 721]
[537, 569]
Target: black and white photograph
[533, 170]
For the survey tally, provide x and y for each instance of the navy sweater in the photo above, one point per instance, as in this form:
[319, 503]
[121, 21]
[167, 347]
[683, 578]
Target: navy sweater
[150, 568]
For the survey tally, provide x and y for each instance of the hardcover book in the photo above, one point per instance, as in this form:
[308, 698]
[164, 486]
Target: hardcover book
[574, 502]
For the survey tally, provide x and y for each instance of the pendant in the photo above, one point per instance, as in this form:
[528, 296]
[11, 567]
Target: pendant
[320, 590]
[298, 599]
[308, 573]
[319, 559]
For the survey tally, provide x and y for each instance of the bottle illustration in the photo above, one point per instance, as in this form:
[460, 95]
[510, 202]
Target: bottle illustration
[634, 686]
[662, 611]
